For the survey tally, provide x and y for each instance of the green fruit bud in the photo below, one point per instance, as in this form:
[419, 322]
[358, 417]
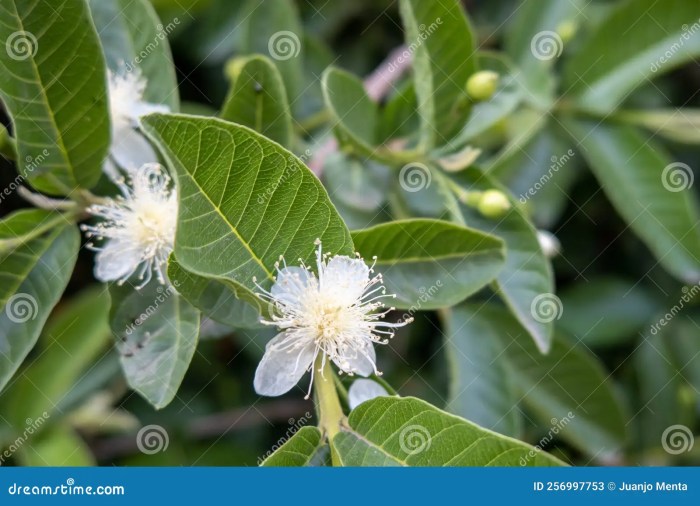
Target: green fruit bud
[493, 204]
[482, 85]
[567, 30]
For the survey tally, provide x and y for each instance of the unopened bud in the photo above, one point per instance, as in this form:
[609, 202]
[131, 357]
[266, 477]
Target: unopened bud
[493, 204]
[482, 85]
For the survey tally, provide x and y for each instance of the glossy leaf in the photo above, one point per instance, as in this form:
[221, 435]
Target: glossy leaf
[74, 338]
[652, 195]
[257, 99]
[527, 273]
[157, 333]
[299, 450]
[32, 279]
[443, 60]
[604, 71]
[430, 264]
[481, 388]
[391, 431]
[246, 201]
[134, 39]
[53, 83]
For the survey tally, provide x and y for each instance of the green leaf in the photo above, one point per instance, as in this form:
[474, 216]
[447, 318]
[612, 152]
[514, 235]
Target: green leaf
[274, 29]
[604, 71]
[567, 383]
[218, 300]
[678, 125]
[73, 338]
[32, 279]
[391, 431]
[651, 194]
[52, 81]
[246, 201]
[26, 224]
[299, 450]
[480, 388]
[443, 59]
[431, 264]
[257, 99]
[59, 446]
[133, 37]
[157, 331]
[527, 273]
[606, 311]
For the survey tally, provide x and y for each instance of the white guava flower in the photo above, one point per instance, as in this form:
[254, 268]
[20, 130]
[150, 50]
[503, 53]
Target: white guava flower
[129, 149]
[332, 313]
[137, 228]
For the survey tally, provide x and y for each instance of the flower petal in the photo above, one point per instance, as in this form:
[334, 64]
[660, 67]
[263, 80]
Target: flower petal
[283, 365]
[346, 277]
[116, 260]
[363, 390]
[291, 285]
[131, 150]
[361, 360]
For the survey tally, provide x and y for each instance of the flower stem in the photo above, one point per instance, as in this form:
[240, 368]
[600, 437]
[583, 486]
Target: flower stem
[328, 404]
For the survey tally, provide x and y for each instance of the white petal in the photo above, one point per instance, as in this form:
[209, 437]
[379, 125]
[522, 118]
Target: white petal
[142, 108]
[363, 390]
[291, 285]
[346, 277]
[282, 367]
[363, 363]
[116, 261]
[110, 170]
[131, 150]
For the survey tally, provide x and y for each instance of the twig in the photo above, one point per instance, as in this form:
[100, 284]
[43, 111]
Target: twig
[377, 85]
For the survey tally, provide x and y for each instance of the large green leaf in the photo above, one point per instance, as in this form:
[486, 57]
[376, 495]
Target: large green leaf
[526, 277]
[430, 264]
[257, 99]
[133, 37]
[442, 44]
[74, 338]
[245, 201]
[652, 194]
[566, 384]
[299, 450]
[392, 431]
[274, 29]
[53, 83]
[157, 333]
[26, 224]
[59, 446]
[606, 311]
[353, 113]
[481, 389]
[604, 71]
[217, 299]
[32, 279]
